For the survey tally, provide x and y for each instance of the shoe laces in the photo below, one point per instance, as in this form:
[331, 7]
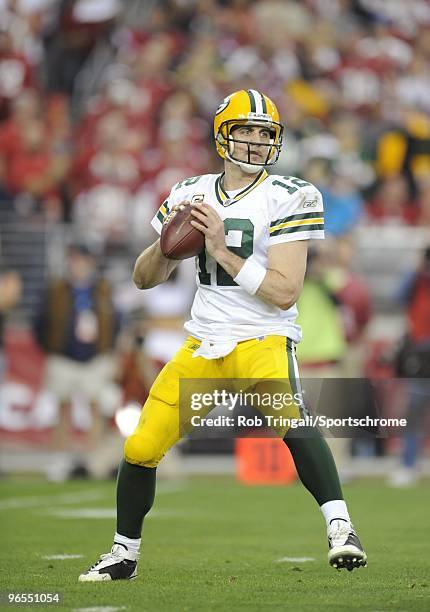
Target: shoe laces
[339, 531]
[114, 554]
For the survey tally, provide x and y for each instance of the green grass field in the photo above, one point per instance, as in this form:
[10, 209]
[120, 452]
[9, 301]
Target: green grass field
[212, 544]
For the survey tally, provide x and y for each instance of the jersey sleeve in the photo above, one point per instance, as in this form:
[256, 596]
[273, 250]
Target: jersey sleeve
[297, 217]
[161, 214]
[180, 191]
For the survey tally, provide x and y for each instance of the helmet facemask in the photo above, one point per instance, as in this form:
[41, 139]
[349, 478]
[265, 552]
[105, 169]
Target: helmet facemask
[270, 150]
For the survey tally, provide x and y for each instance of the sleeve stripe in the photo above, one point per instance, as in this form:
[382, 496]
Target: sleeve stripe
[310, 215]
[291, 224]
[162, 211]
[298, 228]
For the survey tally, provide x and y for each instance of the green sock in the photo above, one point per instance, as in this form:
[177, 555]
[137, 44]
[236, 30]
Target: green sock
[135, 492]
[314, 463]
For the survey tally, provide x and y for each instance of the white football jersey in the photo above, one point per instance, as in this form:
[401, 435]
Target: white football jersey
[271, 210]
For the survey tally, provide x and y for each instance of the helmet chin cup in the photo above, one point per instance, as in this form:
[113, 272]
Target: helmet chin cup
[248, 168]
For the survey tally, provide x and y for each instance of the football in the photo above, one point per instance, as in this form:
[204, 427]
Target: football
[179, 239]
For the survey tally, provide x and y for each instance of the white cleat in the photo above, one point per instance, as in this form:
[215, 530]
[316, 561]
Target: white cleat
[345, 550]
[119, 564]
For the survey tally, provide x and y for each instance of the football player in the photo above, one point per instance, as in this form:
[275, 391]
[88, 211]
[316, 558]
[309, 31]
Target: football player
[257, 228]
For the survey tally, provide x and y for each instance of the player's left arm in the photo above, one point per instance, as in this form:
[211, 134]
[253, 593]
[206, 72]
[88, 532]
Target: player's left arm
[286, 269]
[283, 279]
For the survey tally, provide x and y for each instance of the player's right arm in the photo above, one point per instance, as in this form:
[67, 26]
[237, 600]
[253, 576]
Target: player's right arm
[152, 267]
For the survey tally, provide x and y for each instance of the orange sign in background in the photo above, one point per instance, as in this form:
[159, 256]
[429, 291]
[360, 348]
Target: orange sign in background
[264, 461]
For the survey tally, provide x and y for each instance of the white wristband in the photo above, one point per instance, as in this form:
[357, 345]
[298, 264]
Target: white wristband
[250, 276]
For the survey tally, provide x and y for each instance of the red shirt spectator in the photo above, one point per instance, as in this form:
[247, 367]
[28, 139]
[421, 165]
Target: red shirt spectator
[417, 296]
[32, 168]
[392, 203]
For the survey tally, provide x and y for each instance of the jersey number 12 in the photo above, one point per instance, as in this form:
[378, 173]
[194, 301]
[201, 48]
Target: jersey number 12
[244, 250]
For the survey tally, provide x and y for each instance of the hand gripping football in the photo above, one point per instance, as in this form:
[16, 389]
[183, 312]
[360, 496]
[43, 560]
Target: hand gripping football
[179, 239]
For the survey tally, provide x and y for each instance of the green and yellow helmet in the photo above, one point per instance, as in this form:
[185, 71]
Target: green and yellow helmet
[247, 107]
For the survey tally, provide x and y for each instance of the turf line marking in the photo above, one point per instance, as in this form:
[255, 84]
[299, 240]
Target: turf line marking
[294, 559]
[48, 500]
[105, 513]
[86, 513]
[61, 557]
[75, 498]
[165, 488]
[99, 609]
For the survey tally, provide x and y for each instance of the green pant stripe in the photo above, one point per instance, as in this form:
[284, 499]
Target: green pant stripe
[294, 380]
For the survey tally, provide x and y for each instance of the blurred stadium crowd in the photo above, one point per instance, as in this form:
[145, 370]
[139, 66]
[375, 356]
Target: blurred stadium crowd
[104, 105]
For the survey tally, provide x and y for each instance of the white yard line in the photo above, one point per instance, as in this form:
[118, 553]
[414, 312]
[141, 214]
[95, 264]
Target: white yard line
[60, 557]
[47, 500]
[34, 501]
[99, 609]
[294, 559]
[105, 513]
[86, 513]
[172, 486]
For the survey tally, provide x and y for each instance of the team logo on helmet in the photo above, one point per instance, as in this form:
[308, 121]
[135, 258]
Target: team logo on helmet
[223, 105]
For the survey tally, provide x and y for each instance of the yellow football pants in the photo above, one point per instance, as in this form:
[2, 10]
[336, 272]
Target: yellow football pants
[159, 425]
